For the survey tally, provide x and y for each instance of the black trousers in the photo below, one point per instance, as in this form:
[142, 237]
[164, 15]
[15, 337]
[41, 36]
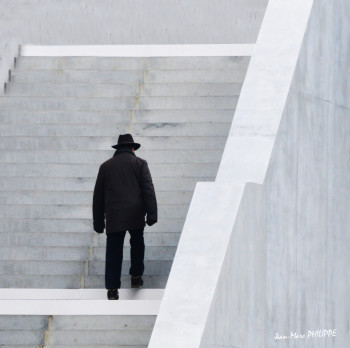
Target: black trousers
[114, 256]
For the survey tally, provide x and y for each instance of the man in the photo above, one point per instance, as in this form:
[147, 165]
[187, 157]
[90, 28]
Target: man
[124, 195]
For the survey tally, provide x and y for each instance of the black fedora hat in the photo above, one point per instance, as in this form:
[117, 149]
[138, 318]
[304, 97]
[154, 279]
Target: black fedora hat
[126, 139]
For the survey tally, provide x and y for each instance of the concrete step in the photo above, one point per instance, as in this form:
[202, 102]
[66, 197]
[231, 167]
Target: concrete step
[54, 103]
[202, 89]
[44, 253]
[72, 76]
[98, 156]
[114, 90]
[144, 129]
[21, 337]
[77, 225]
[77, 268]
[71, 184]
[158, 170]
[127, 322]
[75, 253]
[152, 267]
[169, 63]
[64, 116]
[87, 346]
[80, 307]
[80, 90]
[128, 76]
[163, 239]
[77, 211]
[150, 281]
[42, 239]
[41, 267]
[118, 103]
[80, 197]
[20, 346]
[103, 63]
[25, 331]
[80, 239]
[45, 328]
[46, 281]
[77, 294]
[194, 76]
[188, 103]
[104, 143]
[152, 253]
[94, 337]
[130, 63]
[180, 129]
[116, 116]
[23, 322]
[75, 282]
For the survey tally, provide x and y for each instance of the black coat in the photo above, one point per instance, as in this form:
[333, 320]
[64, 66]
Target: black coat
[123, 194]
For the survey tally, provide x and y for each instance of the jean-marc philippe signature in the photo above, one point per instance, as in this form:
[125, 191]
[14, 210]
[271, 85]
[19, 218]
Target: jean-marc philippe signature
[310, 334]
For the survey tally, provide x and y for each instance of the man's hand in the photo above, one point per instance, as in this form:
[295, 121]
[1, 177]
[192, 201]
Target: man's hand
[150, 221]
[99, 228]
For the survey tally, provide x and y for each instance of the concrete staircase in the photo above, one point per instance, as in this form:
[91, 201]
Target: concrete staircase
[59, 118]
[77, 318]
[99, 331]
[31, 331]
[76, 331]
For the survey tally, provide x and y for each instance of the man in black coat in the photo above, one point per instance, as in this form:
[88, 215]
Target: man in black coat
[124, 195]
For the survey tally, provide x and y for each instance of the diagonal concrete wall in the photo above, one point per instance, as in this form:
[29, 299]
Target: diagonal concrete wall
[285, 268]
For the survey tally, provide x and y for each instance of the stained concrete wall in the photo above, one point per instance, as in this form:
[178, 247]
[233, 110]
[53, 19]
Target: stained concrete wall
[287, 266]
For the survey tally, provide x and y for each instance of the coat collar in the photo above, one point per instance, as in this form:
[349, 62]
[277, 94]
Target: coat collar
[119, 151]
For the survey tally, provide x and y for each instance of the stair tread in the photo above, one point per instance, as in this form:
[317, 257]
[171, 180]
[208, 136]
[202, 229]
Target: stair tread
[80, 307]
[78, 294]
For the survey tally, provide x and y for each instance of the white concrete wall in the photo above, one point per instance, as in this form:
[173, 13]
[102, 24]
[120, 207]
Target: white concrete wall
[288, 258]
[237, 314]
[225, 283]
[285, 267]
[308, 185]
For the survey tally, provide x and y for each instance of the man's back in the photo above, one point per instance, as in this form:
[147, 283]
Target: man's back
[124, 191]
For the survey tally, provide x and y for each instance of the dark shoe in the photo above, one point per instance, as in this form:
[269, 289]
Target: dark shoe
[113, 294]
[136, 281]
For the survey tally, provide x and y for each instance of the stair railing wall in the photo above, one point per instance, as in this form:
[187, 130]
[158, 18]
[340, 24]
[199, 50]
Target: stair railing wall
[216, 292]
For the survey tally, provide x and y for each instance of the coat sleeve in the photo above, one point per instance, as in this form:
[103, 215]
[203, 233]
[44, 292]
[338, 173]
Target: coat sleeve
[98, 206]
[149, 195]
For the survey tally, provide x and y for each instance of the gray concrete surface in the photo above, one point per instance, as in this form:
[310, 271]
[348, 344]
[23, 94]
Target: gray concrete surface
[75, 330]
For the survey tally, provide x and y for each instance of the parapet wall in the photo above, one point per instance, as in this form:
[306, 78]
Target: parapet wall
[286, 268]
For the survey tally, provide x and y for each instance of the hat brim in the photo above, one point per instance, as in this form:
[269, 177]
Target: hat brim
[135, 145]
